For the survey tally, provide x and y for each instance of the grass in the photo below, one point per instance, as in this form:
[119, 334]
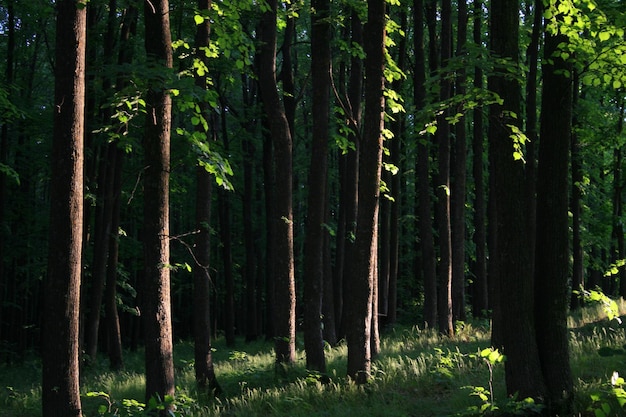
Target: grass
[418, 373]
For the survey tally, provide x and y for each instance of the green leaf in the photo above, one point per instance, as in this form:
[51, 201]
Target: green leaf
[604, 36]
[198, 19]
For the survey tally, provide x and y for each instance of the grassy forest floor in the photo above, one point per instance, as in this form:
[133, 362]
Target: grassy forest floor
[417, 373]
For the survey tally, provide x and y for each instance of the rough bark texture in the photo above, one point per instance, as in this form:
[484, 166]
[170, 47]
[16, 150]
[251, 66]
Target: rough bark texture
[517, 331]
[285, 292]
[359, 305]
[156, 312]
[60, 379]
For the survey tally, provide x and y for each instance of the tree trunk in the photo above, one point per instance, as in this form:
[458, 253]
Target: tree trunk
[459, 176]
[316, 201]
[552, 253]
[359, 305]
[422, 169]
[442, 187]
[285, 294]
[480, 292]
[350, 178]
[156, 312]
[60, 380]
[203, 355]
[114, 339]
[517, 332]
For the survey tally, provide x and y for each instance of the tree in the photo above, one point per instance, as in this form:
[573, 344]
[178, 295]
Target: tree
[60, 382]
[442, 186]
[459, 174]
[515, 322]
[156, 312]
[363, 269]
[424, 204]
[315, 231]
[552, 254]
[203, 355]
[480, 292]
[285, 292]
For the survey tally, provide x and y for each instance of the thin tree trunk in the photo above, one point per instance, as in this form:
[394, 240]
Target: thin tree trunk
[114, 342]
[422, 169]
[203, 355]
[459, 176]
[480, 292]
[317, 192]
[285, 294]
[157, 318]
[60, 380]
[442, 187]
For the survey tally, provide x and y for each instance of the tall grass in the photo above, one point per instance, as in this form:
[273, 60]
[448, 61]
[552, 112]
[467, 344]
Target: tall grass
[418, 373]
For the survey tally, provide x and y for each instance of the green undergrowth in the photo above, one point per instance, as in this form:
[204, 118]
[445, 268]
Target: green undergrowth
[418, 373]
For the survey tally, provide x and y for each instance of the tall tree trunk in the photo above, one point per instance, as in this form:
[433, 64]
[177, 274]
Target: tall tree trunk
[422, 169]
[442, 187]
[114, 336]
[127, 31]
[396, 187]
[349, 176]
[60, 380]
[459, 176]
[316, 201]
[203, 355]
[285, 292]
[157, 318]
[552, 253]
[480, 292]
[517, 331]
[359, 305]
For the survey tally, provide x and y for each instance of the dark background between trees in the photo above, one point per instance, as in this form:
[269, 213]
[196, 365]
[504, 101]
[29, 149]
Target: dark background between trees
[330, 171]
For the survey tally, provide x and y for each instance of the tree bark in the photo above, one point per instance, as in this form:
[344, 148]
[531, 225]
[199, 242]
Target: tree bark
[552, 249]
[203, 355]
[422, 169]
[285, 294]
[516, 290]
[359, 305]
[442, 187]
[459, 176]
[316, 202]
[60, 368]
[480, 292]
[156, 312]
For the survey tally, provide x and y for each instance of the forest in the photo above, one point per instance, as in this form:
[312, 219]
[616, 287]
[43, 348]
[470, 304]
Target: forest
[292, 205]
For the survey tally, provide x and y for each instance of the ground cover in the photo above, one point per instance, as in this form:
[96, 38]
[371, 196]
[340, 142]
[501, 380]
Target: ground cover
[418, 373]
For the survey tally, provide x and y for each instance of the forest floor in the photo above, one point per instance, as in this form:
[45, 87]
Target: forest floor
[417, 373]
